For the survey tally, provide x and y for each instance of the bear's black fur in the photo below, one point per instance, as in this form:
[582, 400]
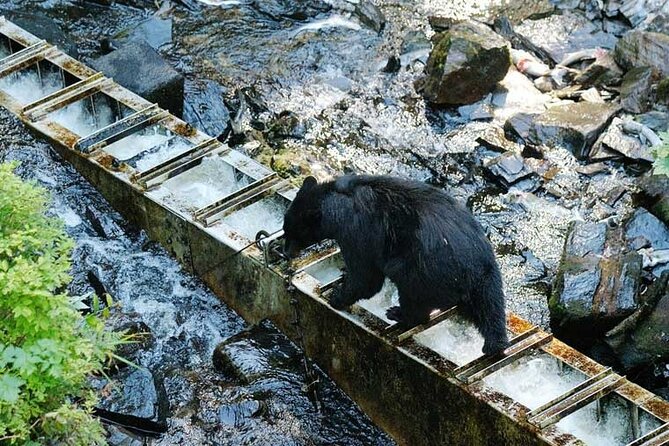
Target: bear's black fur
[428, 244]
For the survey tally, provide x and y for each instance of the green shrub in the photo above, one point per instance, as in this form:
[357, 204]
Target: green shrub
[661, 166]
[47, 347]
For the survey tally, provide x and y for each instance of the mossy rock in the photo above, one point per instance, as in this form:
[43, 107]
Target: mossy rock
[465, 64]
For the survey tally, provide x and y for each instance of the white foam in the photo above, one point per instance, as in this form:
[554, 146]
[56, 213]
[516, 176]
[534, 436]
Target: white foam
[381, 301]
[79, 120]
[167, 151]
[534, 380]
[264, 214]
[455, 339]
[613, 428]
[335, 21]
[26, 87]
[69, 217]
[135, 144]
[202, 185]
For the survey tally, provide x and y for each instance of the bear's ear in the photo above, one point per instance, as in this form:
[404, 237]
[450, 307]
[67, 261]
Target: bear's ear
[308, 183]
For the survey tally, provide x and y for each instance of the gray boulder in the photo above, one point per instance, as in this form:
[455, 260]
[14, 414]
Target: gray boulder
[141, 69]
[654, 195]
[616, 144]
[643, 338]
[597, 281]
[643, 49]
[572, 126]
[465, 65]
[635, 91]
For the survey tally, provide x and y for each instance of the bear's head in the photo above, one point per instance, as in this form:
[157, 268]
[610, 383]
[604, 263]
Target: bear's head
[302, 222]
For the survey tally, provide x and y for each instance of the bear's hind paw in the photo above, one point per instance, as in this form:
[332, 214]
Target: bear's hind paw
[394, 314]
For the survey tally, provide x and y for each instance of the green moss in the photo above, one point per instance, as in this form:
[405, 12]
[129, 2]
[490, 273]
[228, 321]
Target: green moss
[663, 91]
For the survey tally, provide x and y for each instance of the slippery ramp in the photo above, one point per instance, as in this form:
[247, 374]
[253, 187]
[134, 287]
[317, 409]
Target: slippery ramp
[205, 202]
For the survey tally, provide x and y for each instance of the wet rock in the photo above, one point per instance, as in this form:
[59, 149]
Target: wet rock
[117, 437]
[43, 27]
[648, 227]
[415, 41]
[504, 27]
[616, 144]
[141, 69]
[205, 109]
[597, 281]
[655, 120]
[480, 110]
[616, 27]
[643, 338]
[394, 64]
[519, 10]
[370, 15]
[592, 169]
[561, 34]
[495, 140]
[507, 169]
[154, 31]
[135, 393]
[535, 269]
[604, 71]
[294, 10]
[252, 353]
[465, 64]
[654, 195]
[137, 332]
[572, 126]
[103, 223]
[286, 125]
[635, 91]
[234, 414]
[659, 23]
[662, 94]
[643, 49]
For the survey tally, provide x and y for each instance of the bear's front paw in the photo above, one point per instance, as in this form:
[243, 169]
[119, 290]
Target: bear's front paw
[394, 314]
[338, 301]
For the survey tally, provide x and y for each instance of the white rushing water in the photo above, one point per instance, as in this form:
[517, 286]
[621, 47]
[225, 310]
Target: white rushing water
[167, 149]
[78, 118]
[381, 301]
[266, 214]
[202, 185]
[534, 380]
[456, 339]
[135, 144]
[612, 428]
[26, 86]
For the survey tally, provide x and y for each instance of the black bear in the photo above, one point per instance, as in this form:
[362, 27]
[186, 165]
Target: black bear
[428, 244]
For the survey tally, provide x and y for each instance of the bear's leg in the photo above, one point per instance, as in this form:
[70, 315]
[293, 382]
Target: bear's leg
[359, 283]
[487, 312]
[412, 311]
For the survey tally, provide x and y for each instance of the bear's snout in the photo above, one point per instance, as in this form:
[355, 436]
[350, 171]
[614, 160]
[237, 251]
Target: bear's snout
[290, 249]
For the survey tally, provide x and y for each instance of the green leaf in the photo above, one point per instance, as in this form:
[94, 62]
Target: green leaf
[10, 387]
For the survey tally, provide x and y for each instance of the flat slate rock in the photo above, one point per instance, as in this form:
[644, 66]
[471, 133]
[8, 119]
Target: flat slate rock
[571, 126]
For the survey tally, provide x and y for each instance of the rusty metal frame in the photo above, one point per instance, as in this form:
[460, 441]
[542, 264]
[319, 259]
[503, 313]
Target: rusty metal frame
[118, 130]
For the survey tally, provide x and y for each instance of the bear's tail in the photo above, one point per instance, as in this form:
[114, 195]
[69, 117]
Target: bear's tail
[487, 311]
